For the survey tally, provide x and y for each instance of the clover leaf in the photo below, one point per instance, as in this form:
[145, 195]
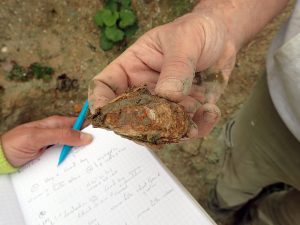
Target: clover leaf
[125, 3]
[131, 30]
[109, 17]
[116, 21]
[105, 44]
[98, 18]
[127, 18]
[39, 71]
[112, 5]
[114, 34]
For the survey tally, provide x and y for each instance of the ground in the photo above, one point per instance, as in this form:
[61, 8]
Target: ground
[61, 34]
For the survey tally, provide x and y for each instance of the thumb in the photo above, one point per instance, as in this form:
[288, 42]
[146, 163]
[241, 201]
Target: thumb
[99, 94]
[177, 74]
[207, 116]
[62, 136]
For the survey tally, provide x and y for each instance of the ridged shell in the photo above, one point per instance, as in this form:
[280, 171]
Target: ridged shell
[140, 116]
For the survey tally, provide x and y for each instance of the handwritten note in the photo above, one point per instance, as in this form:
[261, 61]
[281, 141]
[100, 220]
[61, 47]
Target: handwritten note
[111, 181]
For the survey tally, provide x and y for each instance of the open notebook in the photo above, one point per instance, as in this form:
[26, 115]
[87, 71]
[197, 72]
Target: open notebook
[112, 181]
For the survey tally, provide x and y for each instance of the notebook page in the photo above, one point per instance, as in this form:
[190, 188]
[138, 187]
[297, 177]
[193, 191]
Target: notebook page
[112, 181]
[10, 212]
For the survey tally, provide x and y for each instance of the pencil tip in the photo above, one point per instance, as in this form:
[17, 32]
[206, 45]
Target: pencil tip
[64, 152]
[60, 160]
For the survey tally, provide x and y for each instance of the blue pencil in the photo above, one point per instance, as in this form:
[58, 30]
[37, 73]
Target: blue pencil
[77, 126]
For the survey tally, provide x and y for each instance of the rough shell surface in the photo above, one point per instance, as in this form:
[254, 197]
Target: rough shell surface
[140, 116]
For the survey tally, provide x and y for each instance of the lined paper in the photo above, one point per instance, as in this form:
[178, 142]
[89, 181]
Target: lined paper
[111, 181]
[10, 212]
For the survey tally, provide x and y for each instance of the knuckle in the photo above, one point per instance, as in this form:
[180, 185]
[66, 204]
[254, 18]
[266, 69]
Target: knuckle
[55, 118]
[65, 133]
[179, 60]
[180, 64]
[212, 108]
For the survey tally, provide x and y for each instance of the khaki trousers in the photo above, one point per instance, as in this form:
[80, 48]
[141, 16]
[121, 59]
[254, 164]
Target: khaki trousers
[261, 151]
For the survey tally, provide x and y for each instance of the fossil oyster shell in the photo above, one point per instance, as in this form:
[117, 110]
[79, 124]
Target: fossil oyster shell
[140, 116]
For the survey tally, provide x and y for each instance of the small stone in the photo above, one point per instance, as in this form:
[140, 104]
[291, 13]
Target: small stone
[7, 66]
[77, 107]
[2, 89]
[4, 49]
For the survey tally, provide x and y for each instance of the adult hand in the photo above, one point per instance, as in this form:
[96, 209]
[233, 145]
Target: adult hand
[26, 142]
[187, 61]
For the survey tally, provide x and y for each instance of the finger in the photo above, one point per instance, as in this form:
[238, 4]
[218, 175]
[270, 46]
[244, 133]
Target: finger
[53, 122]
[206, 118]
[177, 71]
[99, 94]
[190, 104]
[216, 77]
[198, 92]
[114, 76]
[226, 62]
[130, 69]
[118, 75]
[151, 87]
[62, 136]
[85, 124]
[146, 49]
[113, 80]
[139, 68]
[143, 76]
[210, 88]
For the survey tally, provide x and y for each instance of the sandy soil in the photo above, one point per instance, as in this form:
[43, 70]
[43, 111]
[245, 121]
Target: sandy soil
[61, 33]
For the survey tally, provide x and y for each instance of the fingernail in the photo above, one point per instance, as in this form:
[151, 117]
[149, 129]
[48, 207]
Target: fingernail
[86, 138]
[173, 85]
[98, 103]
[101, 101]
[210, 116]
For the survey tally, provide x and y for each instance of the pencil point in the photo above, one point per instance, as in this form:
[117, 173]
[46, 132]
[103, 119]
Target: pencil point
[61, 158]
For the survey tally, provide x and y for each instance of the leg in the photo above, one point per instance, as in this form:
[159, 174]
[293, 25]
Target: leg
[263, 152]
[280, 208]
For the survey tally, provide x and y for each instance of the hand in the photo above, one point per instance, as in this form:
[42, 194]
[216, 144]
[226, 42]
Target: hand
[187, 61]
[26, 142]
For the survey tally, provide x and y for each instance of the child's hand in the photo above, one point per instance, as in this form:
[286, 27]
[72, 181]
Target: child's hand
[26, 142]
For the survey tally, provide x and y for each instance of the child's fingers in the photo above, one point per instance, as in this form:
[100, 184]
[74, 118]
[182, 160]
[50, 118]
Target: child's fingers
[53, 122]
[62, 136]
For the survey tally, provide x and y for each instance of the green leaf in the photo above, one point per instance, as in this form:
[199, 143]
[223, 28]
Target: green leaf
[40, 72]
[114, 34]
[112, 5]
[109, 18]
[98, 18]
[125, 3]
[127, 18]
[131, 30]
[19, 73]
[105, 44]
[47, 77]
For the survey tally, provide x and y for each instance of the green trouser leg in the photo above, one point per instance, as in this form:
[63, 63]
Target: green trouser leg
[262, 152]
[279, 208]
